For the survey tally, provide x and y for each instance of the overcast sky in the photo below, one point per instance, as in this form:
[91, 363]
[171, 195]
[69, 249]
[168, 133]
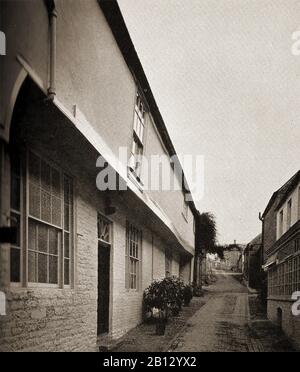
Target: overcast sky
[228, 87]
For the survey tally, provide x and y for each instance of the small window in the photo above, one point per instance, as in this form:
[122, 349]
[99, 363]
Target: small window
[133, 256]
[104, 229]
[137, 149]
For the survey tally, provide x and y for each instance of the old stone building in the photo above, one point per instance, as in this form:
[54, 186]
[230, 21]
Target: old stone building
[281, 244]
[72, 89]
[252, 265]
[232, 256]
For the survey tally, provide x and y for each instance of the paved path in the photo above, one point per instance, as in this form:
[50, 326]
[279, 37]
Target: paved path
[222, 324]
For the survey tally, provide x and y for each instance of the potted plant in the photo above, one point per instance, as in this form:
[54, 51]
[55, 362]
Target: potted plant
[162, 298]
[156, 302]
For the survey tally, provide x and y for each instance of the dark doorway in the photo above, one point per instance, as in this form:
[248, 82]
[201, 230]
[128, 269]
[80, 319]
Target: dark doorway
[103, 287]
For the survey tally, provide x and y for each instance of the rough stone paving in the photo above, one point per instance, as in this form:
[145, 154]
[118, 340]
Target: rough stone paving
[223, 324]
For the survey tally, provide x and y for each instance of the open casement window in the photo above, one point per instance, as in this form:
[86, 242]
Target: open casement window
[133, 257]
[104, 229]
[48, 225]
[137, 149]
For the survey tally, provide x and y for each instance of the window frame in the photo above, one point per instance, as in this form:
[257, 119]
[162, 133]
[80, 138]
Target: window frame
[138, 142]
[284, 278]
[26, 217]
[20, 214]
[137, 259]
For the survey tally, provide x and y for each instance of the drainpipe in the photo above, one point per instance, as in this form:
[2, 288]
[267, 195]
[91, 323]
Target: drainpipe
[52, 13]
[262, 274]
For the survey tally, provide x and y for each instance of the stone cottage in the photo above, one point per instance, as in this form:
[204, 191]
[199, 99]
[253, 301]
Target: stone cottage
[77, 259]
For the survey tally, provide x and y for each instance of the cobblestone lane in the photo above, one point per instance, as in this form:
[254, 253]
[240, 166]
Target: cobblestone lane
[222, 324]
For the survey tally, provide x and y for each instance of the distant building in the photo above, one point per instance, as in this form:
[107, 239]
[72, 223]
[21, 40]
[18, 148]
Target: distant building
[232, 257]
[281, 245]
[252, 265]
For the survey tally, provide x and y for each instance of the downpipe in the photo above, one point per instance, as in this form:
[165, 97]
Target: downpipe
[53, 37]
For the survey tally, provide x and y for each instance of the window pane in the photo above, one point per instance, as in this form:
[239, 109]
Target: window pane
[15, 261]
[46, 206]
[53, 241]
[56, 187]
[42, 238]
[67, 271]
[34, 200]
[67, 245]
[15, 222]
[15, 192]
[66, 190]
[45, 177]
[53, 270]
[31, 266]
[34, 168]
[67, 217]
[56, 211]
[32, 236]
[42, 268]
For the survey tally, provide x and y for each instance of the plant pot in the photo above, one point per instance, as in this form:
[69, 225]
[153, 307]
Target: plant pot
[160, 328]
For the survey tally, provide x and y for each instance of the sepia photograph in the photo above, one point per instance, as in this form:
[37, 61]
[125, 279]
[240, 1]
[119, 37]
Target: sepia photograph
[149, 178]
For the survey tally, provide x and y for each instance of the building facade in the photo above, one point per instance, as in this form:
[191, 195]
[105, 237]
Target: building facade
[232, 257]
[281, 242]
[79, 257]
[252, 263]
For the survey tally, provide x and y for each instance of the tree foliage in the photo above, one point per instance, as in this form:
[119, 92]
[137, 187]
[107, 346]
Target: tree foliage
[207, 229]
[207, 235]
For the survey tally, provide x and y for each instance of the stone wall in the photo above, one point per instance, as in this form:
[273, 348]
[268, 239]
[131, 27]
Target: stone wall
[290, 323]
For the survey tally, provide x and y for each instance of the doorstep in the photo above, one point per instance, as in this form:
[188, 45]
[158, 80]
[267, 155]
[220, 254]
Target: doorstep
[105, 342]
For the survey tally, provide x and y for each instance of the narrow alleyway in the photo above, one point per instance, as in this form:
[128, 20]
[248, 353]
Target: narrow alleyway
[222, 324]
